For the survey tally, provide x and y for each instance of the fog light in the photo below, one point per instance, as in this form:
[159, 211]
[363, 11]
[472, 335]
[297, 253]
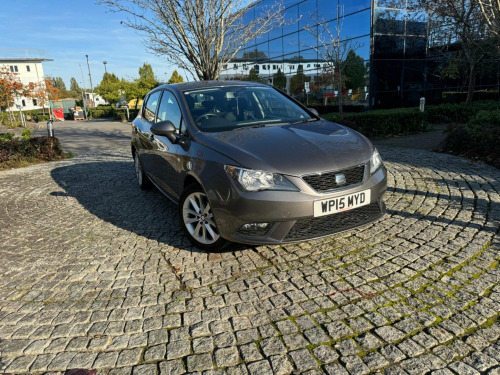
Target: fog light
[255, 229]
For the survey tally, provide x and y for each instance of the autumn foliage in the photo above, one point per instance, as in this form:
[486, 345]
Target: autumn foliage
[10, 88]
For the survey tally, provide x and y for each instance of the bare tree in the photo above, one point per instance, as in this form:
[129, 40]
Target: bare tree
[200, 36]
[491, 13]
[460, 23]
[333, 47]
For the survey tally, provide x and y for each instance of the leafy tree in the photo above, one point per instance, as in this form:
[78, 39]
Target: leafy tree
[297, 82]
[147, 80]
[44, 92]
[110, 88]
[74, 89]
[10, 89]
[59, 83]
[279, 80]
[354, 71]
[175, 77]
[254, 55]
[253, 76]
[198, 36]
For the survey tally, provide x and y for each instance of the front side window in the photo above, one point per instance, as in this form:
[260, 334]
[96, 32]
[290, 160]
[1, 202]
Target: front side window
[169, 110]
[13, 68]
[151, 105]
[28, 68]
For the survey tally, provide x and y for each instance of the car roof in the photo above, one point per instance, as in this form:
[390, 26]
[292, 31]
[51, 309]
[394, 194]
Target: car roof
[196, 85]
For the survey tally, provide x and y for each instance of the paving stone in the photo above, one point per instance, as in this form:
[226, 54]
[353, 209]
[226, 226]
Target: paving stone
[199, 362]
[259, 367]
[174, 367]
[390, 334]
[325, 354]
[155, 353]
[281, 364]
[129, 357]
[303, 359]
[250, 352]
[226, 357]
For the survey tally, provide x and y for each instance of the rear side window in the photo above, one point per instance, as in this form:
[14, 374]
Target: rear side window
[151, 105]
[169, 109]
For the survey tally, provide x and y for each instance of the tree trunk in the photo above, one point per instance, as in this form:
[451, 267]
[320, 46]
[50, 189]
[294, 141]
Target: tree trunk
[472, 84]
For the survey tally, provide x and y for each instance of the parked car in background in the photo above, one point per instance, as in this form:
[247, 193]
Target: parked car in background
[246, 163]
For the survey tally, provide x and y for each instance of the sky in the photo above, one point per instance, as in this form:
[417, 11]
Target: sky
[67, 30]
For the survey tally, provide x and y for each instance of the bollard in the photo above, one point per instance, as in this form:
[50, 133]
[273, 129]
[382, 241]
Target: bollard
[50, 128]
[422, 104]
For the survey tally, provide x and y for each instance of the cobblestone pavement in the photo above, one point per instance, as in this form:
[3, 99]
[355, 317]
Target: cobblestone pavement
[95, 274]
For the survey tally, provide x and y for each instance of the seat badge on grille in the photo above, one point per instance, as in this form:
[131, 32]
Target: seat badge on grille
[340, 179]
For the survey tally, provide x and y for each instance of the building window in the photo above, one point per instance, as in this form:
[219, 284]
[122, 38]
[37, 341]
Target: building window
[256, 67]
[35, 102]
[235, 66]
[28, 68]
[13, 68]
[275, 67]
[24, 103]
[264, 67]
[308, 65]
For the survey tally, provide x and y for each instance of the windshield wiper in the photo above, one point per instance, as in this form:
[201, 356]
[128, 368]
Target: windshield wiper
[304, 121]
[250, 126]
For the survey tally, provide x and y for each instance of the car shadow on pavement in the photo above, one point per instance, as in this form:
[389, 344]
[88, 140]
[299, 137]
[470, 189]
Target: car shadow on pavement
[109, 191]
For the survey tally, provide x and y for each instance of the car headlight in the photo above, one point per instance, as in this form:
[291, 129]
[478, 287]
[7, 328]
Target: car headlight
[375, 162]
[254, 180]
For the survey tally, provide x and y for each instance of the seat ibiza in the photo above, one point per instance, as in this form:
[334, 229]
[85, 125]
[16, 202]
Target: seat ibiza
[246, 163]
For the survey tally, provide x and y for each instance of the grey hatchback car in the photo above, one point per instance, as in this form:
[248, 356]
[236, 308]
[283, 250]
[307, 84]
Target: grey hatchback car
[246, 163]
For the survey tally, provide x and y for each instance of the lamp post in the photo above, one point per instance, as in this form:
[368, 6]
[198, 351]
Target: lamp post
[83, 93]
[90, 78]
[105, 62]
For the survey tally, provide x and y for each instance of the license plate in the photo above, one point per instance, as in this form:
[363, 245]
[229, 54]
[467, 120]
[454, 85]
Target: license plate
[343, 203]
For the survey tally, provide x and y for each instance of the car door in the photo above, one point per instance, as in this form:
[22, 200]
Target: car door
[164, 152]
[143, 135]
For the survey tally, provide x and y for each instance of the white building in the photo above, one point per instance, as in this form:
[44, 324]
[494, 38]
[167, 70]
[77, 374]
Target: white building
[266, 70]
[29, 70]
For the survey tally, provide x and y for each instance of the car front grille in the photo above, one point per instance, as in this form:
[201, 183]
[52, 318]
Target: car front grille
[325, 225]
[327, 181]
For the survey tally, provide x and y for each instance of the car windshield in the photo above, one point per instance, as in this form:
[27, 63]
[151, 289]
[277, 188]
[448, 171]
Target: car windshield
[218, 109]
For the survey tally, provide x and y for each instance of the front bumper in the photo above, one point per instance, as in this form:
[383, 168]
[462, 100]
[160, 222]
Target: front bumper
[290, 214]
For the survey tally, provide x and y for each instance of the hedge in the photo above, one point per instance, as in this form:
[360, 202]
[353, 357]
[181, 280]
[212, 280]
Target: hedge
[478, 139]
[384, 122]
[460, 97]
[457, 113]
[15, 151]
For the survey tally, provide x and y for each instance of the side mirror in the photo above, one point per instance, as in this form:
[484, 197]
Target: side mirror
[166, 129]
[313, 111]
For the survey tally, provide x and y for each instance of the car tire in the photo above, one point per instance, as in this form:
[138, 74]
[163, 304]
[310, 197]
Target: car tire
[197, 220]
[143, 180]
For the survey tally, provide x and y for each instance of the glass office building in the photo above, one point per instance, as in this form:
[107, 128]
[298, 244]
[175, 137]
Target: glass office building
[389, 38]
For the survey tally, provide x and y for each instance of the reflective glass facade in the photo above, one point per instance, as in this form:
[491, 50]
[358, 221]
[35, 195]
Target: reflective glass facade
[398, 60]
[292, 48]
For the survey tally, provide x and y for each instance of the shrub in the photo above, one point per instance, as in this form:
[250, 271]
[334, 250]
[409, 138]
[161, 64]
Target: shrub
[101, 112]
[26, 133]
[383, 123]
[20, 151]
[5, 137]
[478, 139]
[457, 113]
[460, 97]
